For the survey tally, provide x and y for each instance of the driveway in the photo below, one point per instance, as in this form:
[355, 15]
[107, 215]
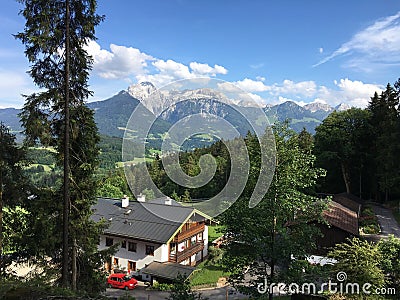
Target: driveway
[140, 293]
[386, 221]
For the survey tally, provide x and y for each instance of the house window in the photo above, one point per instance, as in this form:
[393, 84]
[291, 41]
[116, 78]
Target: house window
[131, 266]
[109, 242]
[123, 244]
[172, 248]
[131, 246]
[149, 250]
[116, 261]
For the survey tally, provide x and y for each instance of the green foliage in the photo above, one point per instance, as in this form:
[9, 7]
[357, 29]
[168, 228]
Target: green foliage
[368, 222]
[110, 152]
[385, 121]
[55, 35]
[209, 271]
[214, 232]
[149, 194]
[361, 261]
[113, 184]
[342, 148]
[13, 185]
[162, 286]
[181, 290]
[41, 155]
[15, 227]
[260, 238]
[36, 289]
[390, 263]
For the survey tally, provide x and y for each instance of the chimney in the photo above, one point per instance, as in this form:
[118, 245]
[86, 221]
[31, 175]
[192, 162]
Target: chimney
[141, 198]
[168, 201]
[125, 201]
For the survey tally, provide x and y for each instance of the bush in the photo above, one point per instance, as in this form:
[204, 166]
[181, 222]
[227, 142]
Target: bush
[371, 229]
[162, 286]
[214, 254]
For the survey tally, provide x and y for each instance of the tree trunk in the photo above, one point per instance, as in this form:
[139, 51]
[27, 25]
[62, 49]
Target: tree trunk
[346, 177]
[74, 267]
[66, 153]
[1, 227]
[1, 219]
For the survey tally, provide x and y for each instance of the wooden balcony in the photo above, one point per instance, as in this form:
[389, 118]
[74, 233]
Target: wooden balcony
[193, 230]
[188, 252]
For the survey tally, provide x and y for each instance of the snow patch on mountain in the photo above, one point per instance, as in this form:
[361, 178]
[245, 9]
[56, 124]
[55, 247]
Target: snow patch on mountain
[318, 106]
[342, 107]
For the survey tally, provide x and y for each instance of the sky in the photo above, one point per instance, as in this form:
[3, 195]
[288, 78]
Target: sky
[305, 51]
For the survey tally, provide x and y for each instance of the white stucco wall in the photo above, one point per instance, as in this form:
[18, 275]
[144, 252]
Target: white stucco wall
[140, 257]
[205, 238]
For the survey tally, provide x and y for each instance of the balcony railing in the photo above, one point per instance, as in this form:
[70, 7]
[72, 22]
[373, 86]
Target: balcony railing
[188, 252]
[193, 230]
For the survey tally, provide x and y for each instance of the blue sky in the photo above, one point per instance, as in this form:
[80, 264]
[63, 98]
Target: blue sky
[328, 51]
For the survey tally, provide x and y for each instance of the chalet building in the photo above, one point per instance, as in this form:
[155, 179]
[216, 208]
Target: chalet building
[342, 223]
[161, 232]
[349, 201]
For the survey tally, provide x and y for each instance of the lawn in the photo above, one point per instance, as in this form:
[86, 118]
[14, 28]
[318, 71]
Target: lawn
[214, 232]
[207, 273]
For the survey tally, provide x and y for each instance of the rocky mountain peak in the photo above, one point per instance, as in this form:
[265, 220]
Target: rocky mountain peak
[141, 90]
[342, 106]
[318, 106]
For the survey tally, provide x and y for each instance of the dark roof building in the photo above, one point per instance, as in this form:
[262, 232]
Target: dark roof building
[148, 221]
[167, 271]
[339, 216]
[160, 236]
[342, 223]
[349, 201]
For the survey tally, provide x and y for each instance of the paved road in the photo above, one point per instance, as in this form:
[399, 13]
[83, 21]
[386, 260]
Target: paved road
[140, 293]
[386, 221]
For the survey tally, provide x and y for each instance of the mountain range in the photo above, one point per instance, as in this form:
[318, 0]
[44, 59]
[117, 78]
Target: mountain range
[112, 115]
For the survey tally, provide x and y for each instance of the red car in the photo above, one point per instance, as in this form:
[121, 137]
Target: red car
[121, 281]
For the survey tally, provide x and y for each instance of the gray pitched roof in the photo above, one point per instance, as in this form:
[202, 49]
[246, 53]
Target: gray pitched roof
[168, 270]
[141, 220]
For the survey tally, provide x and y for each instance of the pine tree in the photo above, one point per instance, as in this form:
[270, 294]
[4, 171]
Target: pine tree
[385, 124]
[12, 181]
[55, 34]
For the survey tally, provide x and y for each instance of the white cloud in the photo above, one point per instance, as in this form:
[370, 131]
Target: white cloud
[250, 85]
[119, 63]
[129, 63]
[378, 45]
[321, 50]
[354, 93]
[300, 89]
[260, 78]
[12, 85]
[257, 66]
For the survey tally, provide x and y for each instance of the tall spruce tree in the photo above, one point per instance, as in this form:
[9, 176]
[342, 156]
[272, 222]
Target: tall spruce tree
[12, 181]
[386, 142]
[55, 34]
[341, 146]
